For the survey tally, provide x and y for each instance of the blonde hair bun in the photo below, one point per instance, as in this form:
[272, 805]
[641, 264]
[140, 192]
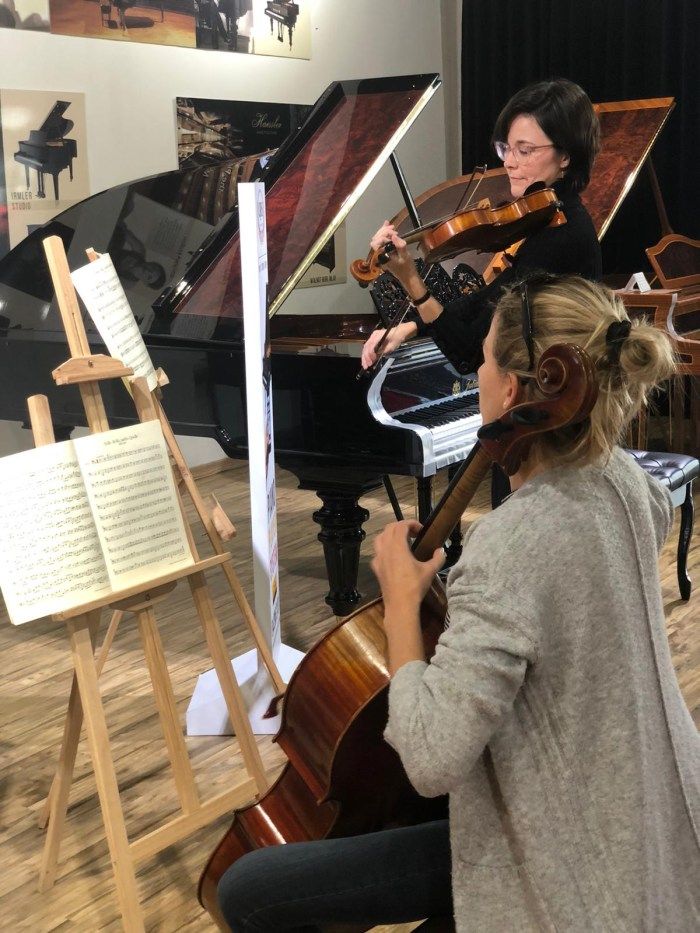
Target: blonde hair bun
[628, 363]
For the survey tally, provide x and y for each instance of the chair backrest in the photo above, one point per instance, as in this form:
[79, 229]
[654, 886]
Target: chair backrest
[676, 261]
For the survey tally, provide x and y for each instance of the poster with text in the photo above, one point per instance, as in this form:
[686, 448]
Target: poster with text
[282, 29]
[25, 14]
[44, 156]
[158, 22]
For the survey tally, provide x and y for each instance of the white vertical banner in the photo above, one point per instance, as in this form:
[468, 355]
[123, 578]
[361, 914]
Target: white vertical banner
[261, 444]
[206, 713]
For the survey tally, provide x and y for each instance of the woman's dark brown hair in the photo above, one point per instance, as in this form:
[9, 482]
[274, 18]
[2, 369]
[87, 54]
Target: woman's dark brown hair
[566, 115]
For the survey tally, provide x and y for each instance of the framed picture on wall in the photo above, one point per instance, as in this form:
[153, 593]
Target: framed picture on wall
[25, 14]
[159, 22]
[282, 29]
[224, 25]
[44, 156]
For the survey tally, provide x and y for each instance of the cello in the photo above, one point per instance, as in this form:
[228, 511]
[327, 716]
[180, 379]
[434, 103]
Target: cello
[342, 778]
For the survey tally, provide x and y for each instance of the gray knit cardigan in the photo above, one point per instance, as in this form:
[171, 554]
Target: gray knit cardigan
[551, 715]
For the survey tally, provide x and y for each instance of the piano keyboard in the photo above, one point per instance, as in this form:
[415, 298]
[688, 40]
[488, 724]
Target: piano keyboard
[410, 393]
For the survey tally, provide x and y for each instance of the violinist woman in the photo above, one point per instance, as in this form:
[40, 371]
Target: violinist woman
[550, 712]
[549, 133]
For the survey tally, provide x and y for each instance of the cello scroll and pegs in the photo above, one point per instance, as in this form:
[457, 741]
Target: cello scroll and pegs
[566, 377]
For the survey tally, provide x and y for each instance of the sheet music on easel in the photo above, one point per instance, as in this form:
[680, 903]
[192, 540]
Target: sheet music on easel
[98, 285]
[83, 518]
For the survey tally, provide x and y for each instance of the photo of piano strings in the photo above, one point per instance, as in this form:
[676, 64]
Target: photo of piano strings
[44, 159]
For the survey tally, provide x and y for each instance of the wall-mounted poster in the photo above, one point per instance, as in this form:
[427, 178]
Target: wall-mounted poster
[282, 29]
[226, 25]
[210, 131]
[44, 146]
[160, 22]
[25, 14]
[223, 136]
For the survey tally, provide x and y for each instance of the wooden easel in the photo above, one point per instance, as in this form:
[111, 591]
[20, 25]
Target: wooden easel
[86, 371]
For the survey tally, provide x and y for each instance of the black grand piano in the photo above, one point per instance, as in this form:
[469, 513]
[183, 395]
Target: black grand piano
[47, 150]
[340, 437]
[283, 14]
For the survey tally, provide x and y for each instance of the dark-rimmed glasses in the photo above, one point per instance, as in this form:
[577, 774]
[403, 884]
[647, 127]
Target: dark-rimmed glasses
[521, 151]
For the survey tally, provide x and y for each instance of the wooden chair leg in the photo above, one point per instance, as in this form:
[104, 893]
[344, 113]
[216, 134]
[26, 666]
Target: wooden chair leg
[687, 515]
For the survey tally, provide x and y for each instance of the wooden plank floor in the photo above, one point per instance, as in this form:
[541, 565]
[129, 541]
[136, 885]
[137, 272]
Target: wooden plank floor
[34, 687]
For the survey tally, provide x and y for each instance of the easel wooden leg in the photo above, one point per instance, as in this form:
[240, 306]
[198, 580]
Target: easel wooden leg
[105, 776]
[167, 709]
[230, 689]
[56, 805]
[71, 731]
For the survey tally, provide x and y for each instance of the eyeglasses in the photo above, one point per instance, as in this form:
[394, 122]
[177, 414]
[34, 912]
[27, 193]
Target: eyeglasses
[522, 152]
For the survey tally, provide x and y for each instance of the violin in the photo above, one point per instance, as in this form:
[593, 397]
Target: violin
[482, 228]
[342, 778]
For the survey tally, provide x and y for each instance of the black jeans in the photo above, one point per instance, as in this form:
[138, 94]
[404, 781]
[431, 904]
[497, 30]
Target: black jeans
[393, 876]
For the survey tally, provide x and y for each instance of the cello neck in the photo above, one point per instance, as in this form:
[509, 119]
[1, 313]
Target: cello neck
[454, 501]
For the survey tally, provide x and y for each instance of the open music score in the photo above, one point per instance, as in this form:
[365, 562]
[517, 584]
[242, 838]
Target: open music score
[85, 518]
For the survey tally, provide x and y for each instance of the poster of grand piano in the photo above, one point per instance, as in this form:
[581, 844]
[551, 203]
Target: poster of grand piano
[44, 146]
[281, 28]
[217, 145]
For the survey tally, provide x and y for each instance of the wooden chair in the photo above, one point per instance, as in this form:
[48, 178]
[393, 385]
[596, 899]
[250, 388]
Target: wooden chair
[676, 261]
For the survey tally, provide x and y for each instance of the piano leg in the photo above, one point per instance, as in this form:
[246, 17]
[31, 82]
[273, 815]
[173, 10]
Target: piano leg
[341, 535]
[424, 491]
[55, 185]
[26, 175]
[41, 193]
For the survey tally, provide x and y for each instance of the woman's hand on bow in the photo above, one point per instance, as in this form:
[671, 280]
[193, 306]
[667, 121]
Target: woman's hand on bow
[397, 335]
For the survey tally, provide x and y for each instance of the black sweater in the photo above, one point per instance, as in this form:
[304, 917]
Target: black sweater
[571, 248]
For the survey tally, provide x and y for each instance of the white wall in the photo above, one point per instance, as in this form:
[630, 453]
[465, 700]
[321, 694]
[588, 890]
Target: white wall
[130, 93]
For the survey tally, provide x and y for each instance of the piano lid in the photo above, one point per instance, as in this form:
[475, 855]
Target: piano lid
[54, 125]
[173, 237]
[629, 129]
[311, 184]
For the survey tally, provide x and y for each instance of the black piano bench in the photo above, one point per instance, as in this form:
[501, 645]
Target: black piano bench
[676, 472]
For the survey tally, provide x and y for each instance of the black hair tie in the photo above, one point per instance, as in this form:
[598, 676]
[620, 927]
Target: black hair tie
[615, 336]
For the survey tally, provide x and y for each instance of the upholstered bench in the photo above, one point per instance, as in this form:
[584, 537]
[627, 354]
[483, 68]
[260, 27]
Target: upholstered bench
[677, 472]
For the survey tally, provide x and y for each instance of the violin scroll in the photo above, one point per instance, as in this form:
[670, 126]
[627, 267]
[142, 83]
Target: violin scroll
[365, 271]
[566, 377]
